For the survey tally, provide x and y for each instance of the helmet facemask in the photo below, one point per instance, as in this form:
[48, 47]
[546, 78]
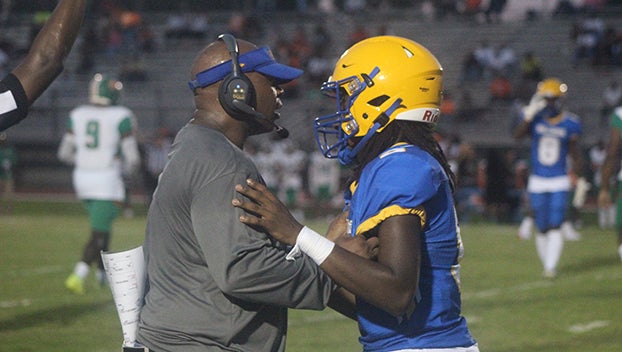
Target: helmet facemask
[333, 131]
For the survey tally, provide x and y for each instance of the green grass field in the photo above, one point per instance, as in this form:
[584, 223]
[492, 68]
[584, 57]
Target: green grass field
[508, 306]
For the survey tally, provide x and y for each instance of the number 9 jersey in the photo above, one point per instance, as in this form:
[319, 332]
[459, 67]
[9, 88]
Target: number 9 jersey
[98, 132]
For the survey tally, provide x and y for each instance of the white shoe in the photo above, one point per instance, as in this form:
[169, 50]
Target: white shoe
[569, 233]
[526, 228]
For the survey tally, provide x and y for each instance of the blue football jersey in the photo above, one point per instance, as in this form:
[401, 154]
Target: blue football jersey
[549, 144]
[408, 180]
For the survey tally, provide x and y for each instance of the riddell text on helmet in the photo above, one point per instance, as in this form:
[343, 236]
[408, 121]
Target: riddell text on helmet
[430, 116]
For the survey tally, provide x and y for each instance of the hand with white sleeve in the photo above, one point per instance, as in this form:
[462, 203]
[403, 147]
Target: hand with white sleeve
[536, 104]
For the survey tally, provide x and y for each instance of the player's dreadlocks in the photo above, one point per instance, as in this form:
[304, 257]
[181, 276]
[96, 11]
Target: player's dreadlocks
[415, 133]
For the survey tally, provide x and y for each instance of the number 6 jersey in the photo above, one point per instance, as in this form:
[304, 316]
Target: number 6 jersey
[549, 151]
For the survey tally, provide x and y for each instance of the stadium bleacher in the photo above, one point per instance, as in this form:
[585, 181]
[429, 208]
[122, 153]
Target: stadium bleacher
[164, 99]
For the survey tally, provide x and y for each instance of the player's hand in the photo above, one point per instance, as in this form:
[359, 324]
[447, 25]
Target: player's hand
[266, 212]
[338, 227]
[536, 104]
[338, 233]
[359, 245]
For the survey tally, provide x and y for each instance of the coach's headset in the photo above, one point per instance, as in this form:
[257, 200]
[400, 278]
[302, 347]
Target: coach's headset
[237, 93]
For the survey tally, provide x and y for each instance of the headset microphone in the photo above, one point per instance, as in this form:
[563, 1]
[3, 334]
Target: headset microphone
[280, 131]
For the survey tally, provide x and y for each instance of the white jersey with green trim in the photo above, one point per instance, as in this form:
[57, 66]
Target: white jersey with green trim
[98, 131]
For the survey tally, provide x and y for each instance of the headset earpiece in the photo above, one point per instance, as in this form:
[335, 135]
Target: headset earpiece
[236, 89]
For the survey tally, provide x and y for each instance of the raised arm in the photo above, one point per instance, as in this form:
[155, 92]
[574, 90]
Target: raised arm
[44, 61]
[536, 104]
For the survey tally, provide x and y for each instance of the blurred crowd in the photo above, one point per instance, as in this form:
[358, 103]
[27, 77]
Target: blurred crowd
[116, 34]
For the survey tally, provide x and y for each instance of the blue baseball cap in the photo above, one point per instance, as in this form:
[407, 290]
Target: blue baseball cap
[259, 60]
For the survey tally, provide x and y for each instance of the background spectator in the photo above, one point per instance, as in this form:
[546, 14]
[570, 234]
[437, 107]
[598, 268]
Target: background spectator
[500, 89]
[485, 55]
[324, 175]
[471, 70]
[612, 97]
[469, 197]
[504, 61]
[494, 10]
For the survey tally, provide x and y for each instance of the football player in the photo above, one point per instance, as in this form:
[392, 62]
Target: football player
[388, 94]
[43, 63]
[95, 135]
[554, 134]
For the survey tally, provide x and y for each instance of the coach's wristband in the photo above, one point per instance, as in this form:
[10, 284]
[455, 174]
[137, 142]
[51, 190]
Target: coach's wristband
[314, 245]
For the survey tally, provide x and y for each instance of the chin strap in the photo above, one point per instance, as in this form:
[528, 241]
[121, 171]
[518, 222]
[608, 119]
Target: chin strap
[347, 155]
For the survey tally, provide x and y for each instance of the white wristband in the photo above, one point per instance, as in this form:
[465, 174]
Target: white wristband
[316, 246]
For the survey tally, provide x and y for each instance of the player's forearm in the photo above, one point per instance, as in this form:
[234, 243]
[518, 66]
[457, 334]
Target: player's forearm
[50, 48]
[388, 289]
[379, 285]
[344, 302]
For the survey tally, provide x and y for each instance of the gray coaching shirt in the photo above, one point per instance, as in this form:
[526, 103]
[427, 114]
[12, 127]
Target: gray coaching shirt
[215, 284]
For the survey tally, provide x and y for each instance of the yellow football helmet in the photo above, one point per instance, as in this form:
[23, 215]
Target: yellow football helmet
[554, 92]
[552, 88]
[376, 81]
